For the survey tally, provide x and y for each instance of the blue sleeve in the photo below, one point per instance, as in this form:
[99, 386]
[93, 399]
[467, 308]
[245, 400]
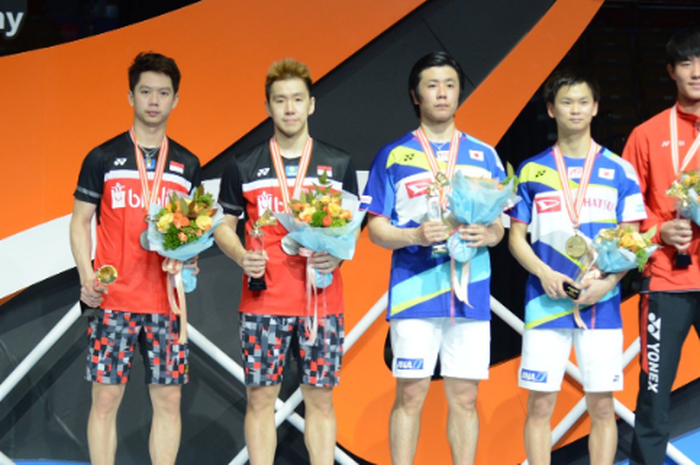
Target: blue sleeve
[379, 195]
[522, 211]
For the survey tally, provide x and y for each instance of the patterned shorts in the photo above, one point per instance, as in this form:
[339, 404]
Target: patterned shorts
[113, 337]
[266, 340]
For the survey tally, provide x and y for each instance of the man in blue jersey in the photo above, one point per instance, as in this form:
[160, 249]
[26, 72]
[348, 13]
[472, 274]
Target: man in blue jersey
[569, 192]
[425, 317]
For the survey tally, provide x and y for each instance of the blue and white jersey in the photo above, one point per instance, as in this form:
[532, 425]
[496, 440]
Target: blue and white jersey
[613, 197]
[396, 189]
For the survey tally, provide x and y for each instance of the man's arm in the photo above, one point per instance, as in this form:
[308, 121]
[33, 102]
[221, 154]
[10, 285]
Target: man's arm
[252, 262]
[482, 236]
[81, 246]
[384, 234]
[552, 281]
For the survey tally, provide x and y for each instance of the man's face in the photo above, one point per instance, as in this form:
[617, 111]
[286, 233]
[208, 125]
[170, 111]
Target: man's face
[686, 73]
[438, 94]
[289, 106]
[573, 108]
[153, 98]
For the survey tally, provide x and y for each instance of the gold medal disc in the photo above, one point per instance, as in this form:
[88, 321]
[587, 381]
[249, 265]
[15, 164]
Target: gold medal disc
[106, 274]
[576, 246]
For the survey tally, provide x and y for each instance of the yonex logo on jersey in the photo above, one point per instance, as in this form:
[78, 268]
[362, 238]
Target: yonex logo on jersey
[408, 157]
[575, 172]
[476, 155]
[417, 188]
[548, 204]
[119, 161]
[606, 173]
[118, 196]
[533, 376]
[263, 172]
[409, 363]
[665, 143]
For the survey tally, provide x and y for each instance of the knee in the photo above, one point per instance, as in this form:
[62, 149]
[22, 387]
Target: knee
[167, 400]
[602, 410]
[261, 399]
[540, 409]
[411, 395]
[106, 400]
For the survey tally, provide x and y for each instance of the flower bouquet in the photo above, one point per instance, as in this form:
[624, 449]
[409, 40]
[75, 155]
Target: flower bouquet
[686, 190]
[475, 201]
[622, 248]
[322, 220]
[179, 231]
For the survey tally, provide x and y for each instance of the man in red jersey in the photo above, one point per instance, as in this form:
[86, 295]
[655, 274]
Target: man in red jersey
[253, 183]
[660, 149]
[118, 181]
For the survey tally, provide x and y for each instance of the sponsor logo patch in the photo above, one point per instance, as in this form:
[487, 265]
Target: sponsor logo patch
[118, 196]
[533, 376]
[548, 204]
[263, 172]
[366, 199]
[575, 172]
[119, 161]
[409, 363]
[417, 188]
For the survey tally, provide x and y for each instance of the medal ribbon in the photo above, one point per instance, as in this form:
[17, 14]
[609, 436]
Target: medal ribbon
[149, 195]
[674, 145]
[574, 207]
[281, 174]
[433, 163]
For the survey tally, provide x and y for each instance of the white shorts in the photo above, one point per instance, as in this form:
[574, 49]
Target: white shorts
[464, 347]
[546, 351]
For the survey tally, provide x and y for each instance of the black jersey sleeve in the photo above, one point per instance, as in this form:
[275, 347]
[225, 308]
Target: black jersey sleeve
[350, 179]
[230, 191]
[91, 178]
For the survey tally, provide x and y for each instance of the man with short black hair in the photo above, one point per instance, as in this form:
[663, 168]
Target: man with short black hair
[661, 149]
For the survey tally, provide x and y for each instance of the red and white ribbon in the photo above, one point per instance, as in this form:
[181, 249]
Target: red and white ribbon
[149, 194]
[433, 162]
[574, 207]
[282, 175]
[178, 306]
[311, 325]
[674, 145]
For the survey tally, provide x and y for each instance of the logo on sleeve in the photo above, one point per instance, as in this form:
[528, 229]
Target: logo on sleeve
[606, 173]
[533, 376]
[176, 167]
[476, 155]
[548, 204]
[417, 188]
[411, 364]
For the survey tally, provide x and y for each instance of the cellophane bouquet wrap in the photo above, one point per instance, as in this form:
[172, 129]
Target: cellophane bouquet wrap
[477, 201]
[323, 220]
[622, 248]
[184, 228]
[686, 190]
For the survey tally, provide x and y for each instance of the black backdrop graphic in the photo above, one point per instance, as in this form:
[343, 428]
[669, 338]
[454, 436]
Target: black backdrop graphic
[361, 105]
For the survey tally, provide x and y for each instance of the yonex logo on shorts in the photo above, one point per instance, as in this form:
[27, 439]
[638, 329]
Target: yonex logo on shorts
[409, 363]
[533, 376]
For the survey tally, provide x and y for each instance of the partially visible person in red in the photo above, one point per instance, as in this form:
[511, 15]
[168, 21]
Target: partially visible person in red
[117, 183]
[660, 149]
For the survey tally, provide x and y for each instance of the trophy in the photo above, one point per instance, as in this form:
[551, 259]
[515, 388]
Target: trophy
[435, 213]
[257, 244]
[105, 275]
[588, 260]
[683, 259]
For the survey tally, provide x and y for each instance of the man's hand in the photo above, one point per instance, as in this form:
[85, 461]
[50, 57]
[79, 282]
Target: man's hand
[553, 282]
[677, 233]
[431, 232]
[595, 289]
[324, 262]
[253, 263]
[478, 235]
[91, 293]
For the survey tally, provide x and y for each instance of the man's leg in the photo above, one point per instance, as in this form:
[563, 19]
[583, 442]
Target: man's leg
[462, 419]
[164, 441]
[665, 320]
[102, 422]
[404, 422]
[602, 442]
[259, 423]
[320, 429]
[538, 430]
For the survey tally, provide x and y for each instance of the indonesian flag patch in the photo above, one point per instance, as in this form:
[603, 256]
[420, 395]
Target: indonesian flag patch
[176, 167]
[320, 169]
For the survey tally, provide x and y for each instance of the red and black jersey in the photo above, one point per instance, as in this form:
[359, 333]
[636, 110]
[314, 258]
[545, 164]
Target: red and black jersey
[109, 178]
[249, 184]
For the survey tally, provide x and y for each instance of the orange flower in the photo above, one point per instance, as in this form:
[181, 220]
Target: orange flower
[180, 220]
[182, 236]
[327, 220]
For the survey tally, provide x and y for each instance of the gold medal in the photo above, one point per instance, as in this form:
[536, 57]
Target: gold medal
[106, 274]
[576, 246]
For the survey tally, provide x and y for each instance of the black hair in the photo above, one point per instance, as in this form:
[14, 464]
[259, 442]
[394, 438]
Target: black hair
[432, 60]
[149, 61]
[683, 45]
[561, 78]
